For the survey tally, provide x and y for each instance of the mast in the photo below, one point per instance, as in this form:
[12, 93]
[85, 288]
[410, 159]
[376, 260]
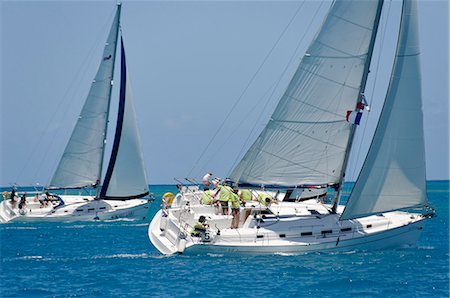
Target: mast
[99, 175]
[360, 99]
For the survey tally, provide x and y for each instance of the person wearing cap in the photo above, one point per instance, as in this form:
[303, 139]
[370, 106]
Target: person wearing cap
[224, 194]
[200, 227]
[206, 181]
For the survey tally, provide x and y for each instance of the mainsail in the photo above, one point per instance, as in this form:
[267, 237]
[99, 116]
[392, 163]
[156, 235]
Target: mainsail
[81, 163]
[125, 177]
[393, 174]
[305, 141]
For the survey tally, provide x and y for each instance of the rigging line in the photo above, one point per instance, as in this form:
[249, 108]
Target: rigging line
[236, 129]
[276, 86]
[245, 89]
[81, 70]
[358, 152]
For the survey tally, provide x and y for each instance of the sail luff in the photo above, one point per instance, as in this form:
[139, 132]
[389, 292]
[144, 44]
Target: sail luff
[81, 162]
[361, 95]
[393, 174]
[125, 177]
[119, 10]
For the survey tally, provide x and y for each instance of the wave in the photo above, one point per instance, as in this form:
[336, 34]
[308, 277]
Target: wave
[214, 255]
[26, 258]
[287, 254]
[123, 256]
[95, 257]
[19, 228]
[424, 247]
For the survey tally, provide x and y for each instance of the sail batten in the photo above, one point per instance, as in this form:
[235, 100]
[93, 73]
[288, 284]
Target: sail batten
[393, 175]
[309, 128]
[81, 163]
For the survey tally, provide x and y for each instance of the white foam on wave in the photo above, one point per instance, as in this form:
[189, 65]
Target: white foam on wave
[214, 255]
[123, 256]
[19, 228]
[120, 219]
[137, 225]
[426, 247]
[74, 226]
[28, 258]
[286, 254]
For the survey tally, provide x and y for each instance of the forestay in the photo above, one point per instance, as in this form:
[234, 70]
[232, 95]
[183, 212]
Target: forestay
[306, 138]
[393, 174]
[125, 177]
[81, 163]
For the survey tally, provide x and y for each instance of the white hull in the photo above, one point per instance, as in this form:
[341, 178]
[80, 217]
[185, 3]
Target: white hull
[297, 228]
[75, 208]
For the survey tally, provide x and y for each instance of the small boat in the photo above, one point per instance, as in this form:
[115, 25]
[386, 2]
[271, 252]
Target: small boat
[124, 192]
[306, 145]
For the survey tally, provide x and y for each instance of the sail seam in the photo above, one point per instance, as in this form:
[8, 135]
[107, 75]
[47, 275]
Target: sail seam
[349, 56]
[307, 122]
[295, 163]
[353, 23]
[74, 174]
[313, 106]
[316, 139]
[408, 55]
[328, 79]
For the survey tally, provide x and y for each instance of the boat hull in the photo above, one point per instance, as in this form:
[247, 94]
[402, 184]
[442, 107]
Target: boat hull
[406, 235]
[281, 228]
[395, 238]
[76, 208]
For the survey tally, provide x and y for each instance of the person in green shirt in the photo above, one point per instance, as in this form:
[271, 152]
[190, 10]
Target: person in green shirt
[207, 198]
[265, 199]
[224, 193]
[245, 195]
[200, 227]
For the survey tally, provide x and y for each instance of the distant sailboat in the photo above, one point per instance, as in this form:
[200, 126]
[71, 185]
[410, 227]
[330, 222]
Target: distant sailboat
[125, 186]
[306, 144]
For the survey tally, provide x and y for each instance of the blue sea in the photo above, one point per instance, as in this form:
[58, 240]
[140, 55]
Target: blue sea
[116, 259]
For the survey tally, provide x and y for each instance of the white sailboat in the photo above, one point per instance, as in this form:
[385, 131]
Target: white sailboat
[125, 188]
[307, 143]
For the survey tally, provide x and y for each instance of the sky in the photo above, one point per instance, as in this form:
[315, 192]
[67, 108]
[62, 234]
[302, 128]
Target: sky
[205, 75]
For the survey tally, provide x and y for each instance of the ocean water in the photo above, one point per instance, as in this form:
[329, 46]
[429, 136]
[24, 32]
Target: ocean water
[116, 259]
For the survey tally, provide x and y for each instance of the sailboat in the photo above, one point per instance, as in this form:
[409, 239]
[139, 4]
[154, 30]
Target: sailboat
[124, 191]
[306, 145]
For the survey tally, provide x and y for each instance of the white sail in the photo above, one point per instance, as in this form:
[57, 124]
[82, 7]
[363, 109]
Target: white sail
[125, 177]
[81, 163]
[306, 138]
[393, 174]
